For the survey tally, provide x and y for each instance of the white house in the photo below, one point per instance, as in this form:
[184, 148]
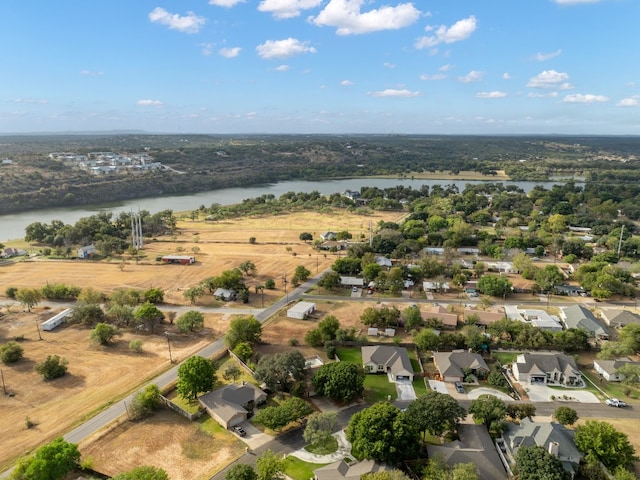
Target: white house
[301, 310]
[551, 367]
[608, 369]
[86, 251]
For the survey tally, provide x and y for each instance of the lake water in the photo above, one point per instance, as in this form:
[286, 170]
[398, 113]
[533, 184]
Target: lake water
[12, 226]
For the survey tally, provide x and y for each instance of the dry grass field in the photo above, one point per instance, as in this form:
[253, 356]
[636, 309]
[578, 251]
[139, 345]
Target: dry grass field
[99, 376]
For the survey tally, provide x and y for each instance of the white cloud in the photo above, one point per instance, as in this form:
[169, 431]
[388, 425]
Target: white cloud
[494, 94]
[566, 86]
[30, 100]
[542, 95]
[287, 8]
[588, 98]
[472, 76]
[189, 23]
[392, 92]
[230, 52]
[548, 79]
[628, 102]
[346, 83]
[574, 2]
[541, 57]
[388, 65]
[207, 49]
[506, 76]
[149, 103]
[282, 68]
[89, 73]
[446, 68]
[225, 3]
[346, 16]
[283, 48]
[437, 76]
[461, 30]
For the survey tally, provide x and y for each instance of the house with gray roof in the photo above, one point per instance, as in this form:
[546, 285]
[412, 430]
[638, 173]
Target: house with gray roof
[553, 437]
[343, 470]
[577, 316]
[231, 404]
[474, 446]
[453, 365]
[394, 361]
[608, 369]
[547, 367]
[617, 318]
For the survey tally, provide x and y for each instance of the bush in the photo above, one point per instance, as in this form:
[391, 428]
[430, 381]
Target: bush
[53, 367]
[330, 350]
[11, 352]
[145, 403]
[293, 342]
[11, 292]
[135, 346]
[270, 283]
[313, 338]
[103, 333]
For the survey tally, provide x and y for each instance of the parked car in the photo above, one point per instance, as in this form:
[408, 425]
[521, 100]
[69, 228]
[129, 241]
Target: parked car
[354, 289]
[614, 402]
[459, 387]
[239, 430]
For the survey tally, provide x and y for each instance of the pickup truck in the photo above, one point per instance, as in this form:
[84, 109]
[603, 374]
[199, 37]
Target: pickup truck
[614, 402]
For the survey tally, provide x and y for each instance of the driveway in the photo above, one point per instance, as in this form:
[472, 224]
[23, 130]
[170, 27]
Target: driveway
[254, 437]
[542, 393]
[438, 386]
[476, 392]
[405, 390]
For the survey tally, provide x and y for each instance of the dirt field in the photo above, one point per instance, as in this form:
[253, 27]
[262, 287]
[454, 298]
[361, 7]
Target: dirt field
[219, 246]
[185, 450]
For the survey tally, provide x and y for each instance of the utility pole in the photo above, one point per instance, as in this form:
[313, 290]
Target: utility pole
[284, 282]
[38, 327]
[4, 387]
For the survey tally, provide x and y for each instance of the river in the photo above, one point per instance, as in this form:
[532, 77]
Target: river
[13, 226]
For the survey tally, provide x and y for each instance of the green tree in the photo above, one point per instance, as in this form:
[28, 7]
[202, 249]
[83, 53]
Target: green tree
[244, 329]
[383, 433]
[548, 278]
[488, 410]
[276, 417]
[535, 463]
[248, 267]
[329, 280]
[233, 372]
[195, 375]
[313, 338]
[566, 415]
[144, 403]
[601, 442]
[193, 293]
[29, 297]
[340, 381]
[143, 473]
[120, 314]
[153, 295]
[50, 462]
[190, 322]
[495, 286]
[328, 327]
[241, 471]
[270, 466]
[412, 317]
[302, 273]
[279, 371]
[87, 314]
[90, 296]
[320, 427]
[427, 340]
[386, 475]
[148, 315]
[306, 237]
[11, 352]
[103, 334]
[51, 368]
[243, 350]
[435, 413]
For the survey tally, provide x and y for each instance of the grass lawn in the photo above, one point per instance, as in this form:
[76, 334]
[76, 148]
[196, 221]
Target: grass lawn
[377, 388]
[299, 469]
[613, 389]
[190, 406]
[420, 387]
[351, 355]
[224, 363]
[505, 357]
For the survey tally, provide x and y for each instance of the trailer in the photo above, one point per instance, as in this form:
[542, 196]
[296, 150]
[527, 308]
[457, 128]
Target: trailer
[56, 320]
[180, 259]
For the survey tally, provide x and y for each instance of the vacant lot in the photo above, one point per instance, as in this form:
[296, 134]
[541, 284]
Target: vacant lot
[217, 246]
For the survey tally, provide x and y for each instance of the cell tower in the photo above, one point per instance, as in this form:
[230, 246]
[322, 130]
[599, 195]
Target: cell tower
[136, 231]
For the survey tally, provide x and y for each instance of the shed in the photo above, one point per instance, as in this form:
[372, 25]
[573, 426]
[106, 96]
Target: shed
[372, 331]
[301, 310]
[225, 294]
[56, 320]
[86, 251]
[181, 259]
[351, 281]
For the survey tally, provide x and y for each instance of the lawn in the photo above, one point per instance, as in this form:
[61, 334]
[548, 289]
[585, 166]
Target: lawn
[351, 355]
[613, 389]
[323, 448]
[505, 357]
[299, 469]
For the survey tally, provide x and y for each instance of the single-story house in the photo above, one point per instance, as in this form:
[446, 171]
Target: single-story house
[433, 251]
[569, 290]
[392, 360]
[351, 281]
[553, 437]
[482, 317]
[618, 318]
[232, 404]
[225, 294]
[440, 313]
[384, 262]
[474, 446]
[547, 367]
[502, 267]
[341, 470]
[301, 310]
[13, 252]
[86, 251]
[435, 286]
[608, 369]
[577, 316]
[452, 365]
[469, 251]
[339, 245]
[537, 318]
[327, 236]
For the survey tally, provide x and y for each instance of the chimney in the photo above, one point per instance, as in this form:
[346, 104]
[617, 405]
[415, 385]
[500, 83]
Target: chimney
[554, 449]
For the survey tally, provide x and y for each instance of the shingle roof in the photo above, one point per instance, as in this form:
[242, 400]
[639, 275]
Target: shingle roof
[395, 358]
[546, 362]
[577, 316]
[452, 364]
[342, 470]
[230, 400]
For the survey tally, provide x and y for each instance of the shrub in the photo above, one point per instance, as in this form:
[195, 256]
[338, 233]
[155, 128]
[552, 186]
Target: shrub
[11, 292]
[270, 283]
[53, 367]
[135, 346]
[293, 342]
[11, 352]
[330, 350]
[145, 403]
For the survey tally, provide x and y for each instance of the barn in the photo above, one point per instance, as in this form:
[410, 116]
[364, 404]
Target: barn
[301, 310]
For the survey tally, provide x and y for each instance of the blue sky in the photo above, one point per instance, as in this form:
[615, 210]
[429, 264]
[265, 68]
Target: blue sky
[321, 66]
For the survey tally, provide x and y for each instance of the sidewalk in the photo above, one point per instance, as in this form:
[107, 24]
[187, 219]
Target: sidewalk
[344, 450]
